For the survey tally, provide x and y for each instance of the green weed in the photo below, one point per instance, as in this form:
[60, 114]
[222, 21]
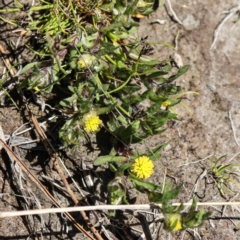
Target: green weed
[90, 48]
[223, 174]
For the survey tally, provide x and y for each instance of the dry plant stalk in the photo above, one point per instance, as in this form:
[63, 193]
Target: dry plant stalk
[7, 61]
[108, 207]
[53, 158]
[43, 189]
[231, 12]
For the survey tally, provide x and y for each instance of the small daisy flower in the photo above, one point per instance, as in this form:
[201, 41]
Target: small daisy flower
[142, 167]
[91, 122]
[173, 219]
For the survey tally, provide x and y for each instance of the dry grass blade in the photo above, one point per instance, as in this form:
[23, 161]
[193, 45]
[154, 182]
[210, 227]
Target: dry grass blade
[7, 61]
[43, 189]
[2, 136]
[84, 208]
[172, 14]
[54, 160]
[109, 207]
[231, 12]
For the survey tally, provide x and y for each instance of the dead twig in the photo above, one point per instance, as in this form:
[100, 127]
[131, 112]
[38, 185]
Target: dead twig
[43, 189]
[145, 225]
[171, 12]
[185, 164]
[231, 158]
[2, 136]
[231, 12]
[232, 126]
[7, 61]
[54, 160]
[203, 174]
[108, 207]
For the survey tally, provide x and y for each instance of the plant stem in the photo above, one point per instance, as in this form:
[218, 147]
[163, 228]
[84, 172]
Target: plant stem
[34, 8]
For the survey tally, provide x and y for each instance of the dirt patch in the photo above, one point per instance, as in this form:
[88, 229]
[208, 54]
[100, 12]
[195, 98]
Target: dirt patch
[214, 73]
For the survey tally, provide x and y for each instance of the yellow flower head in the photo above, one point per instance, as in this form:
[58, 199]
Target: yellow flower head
[91, 122]
[142, 167]
[166, 103]
[173, 219]
[81, 64]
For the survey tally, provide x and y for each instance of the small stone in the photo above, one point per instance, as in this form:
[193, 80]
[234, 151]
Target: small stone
[190, 23]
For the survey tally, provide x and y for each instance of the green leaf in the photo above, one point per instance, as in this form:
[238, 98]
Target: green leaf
[169, 115]
[156, 122]
[110, 27]
[134, 99]
[106, 48]
[120, 65]
[116, 192]
[66, 102]
[108, 7]
[154, 108]
[156, 74]
[169, 195]
[194, 218]
[71, 88]
[131, 89]
[122, 169]
[155, 197]
[146, 135]
[154, 154]
[141, 184]
[23, 83]
[150, 63]
[104, 110]
[126, 133]
[131, 8]
[146, 128]
[179, 73]
[156, 98]
[194, 205]
[73, 53]
[168, 89]
[122, 119]
[167, 68]
[105, 159]
[29, 66]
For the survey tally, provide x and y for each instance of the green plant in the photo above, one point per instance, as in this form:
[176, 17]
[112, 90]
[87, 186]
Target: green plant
[175, 218]
[113, 80]
[90, 48]
[135, 166]
[222, 174]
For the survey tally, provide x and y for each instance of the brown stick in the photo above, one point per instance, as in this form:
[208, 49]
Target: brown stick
[7, 61]
[43, 189]
[49, 149]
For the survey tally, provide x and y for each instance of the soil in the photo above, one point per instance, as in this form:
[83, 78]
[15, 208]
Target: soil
[211, 128]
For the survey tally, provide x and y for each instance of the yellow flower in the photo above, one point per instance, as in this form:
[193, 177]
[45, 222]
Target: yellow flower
[86, 60]
[37, 90]
[173, 219]
[166, 103]
[142, 167]
[91, 122]
[81, 64]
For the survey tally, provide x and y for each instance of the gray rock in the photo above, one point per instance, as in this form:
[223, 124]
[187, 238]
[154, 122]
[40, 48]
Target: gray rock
[190, 23]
